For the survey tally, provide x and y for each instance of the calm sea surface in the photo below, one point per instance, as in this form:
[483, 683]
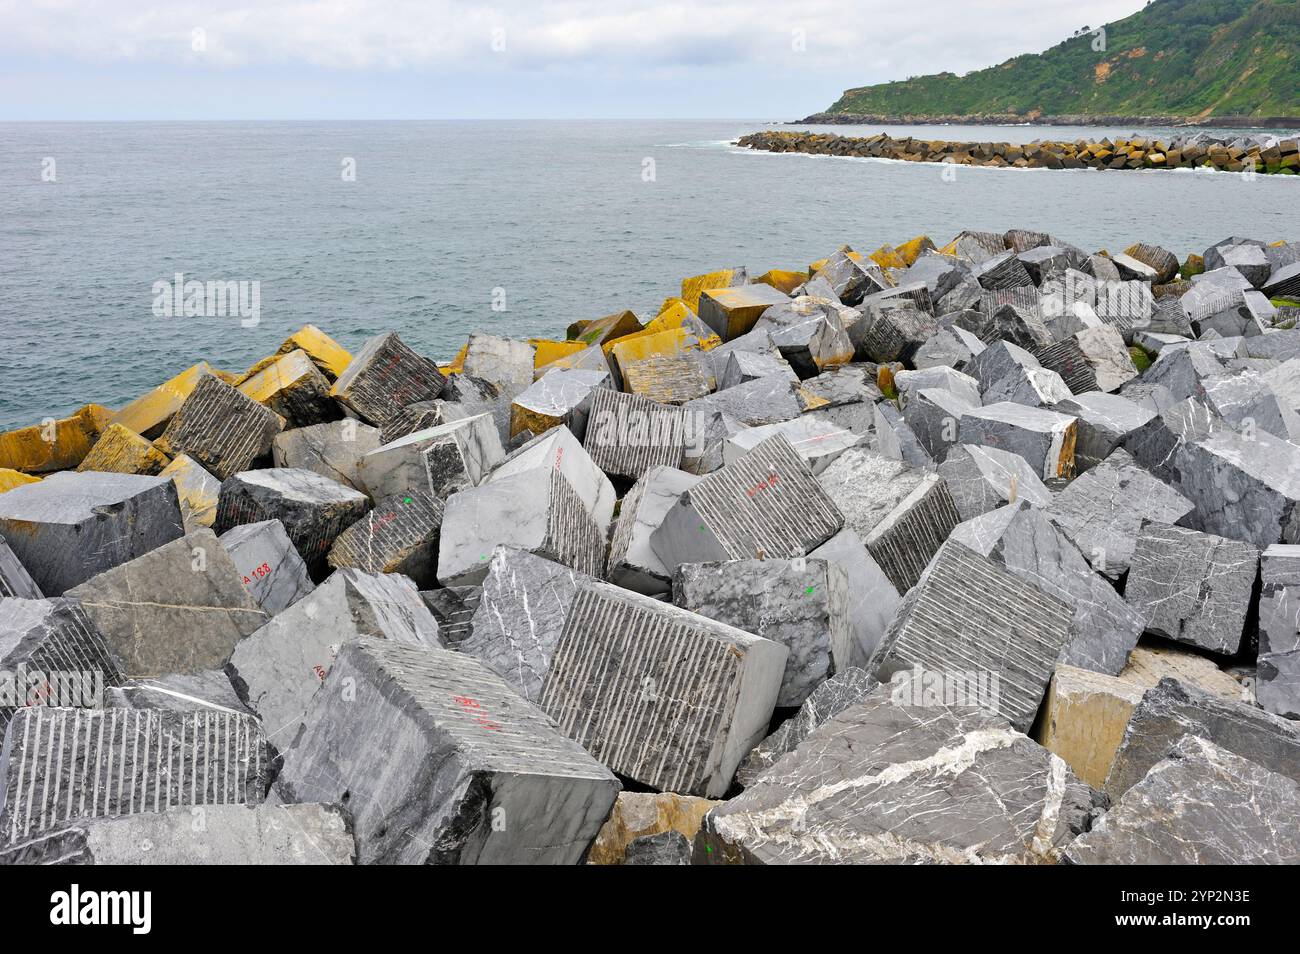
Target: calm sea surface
[557, 220]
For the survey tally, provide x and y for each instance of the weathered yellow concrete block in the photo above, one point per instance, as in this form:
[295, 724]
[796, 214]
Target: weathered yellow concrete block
[637, 814]
[696, 285]
[123, 451]
[1085, 718]
[457, 364]
[674, 314]
[197, 490]
[604, 329]
[545, 351]
[668, 378]
[1147, 665]
[731, 312]
[148, 414]
[54, 444]
[9, 479]
[294, 387]
[671, 302]
[817, 266]
[911, 249]
[328, 355]
[888, 257]
[782, 280]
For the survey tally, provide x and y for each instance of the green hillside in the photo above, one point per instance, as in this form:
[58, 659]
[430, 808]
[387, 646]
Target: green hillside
[1191, 58]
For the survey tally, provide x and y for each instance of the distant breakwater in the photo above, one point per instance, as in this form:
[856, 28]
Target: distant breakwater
[1067, 119]
[1263, 154]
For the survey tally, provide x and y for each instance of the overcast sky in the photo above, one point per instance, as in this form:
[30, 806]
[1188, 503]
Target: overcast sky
[433, 59]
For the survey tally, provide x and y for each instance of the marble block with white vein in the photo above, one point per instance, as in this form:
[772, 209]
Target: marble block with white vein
[558, 450]
[657, 694]
[981, 479]
[439, 460]
[399, 535]
[14, 578]
[559, 398]
[886, 783]
[439, 761]
[767, 504]
[1043, 438]
[969, 614]
[267, 562]
[633, 564]
[64, 765]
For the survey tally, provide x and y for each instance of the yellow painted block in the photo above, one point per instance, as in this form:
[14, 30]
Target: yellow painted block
[545, 350]
[123, 451]
[694, 286]
[585, 359]
[196, 489]
[730, 312]
[53, 444]
[674, 314]
[888, 257]
[148, 414]
[782, 280]
[605, 329]
[330, 356]
[817, 266]
[457, 364]
[257, 368]
[228, 376]
[294, 387]
[9, 479]
[644, 343]
[673, 378]
[670, 303]
[911, 250]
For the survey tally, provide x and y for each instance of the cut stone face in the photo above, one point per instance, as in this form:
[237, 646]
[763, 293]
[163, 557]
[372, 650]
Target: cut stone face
[329, 356]
[818, 442]
[1084, 720]
[999, 361]
[178, 609]
[892, 330]
[846, 688]
[639, 815]
[1092, 360]
[278, 668]
[268, 564]
[675, 376]
[731, 312]
[143, 760]
[1160, 443]
[1192, 587]
[765, 505]
[627, 434]
[292, 386]
[503, 362]
[453, 607]
[441, 762]
[209, 690]
[1277, 683]
[679, 714]
[867, 787]
[221, 429]
[933, 414]
[229, 835]
[962, 385]
[1043, 438]
[810, 334]
[400, 535]
[1032, 387]
[1279, 599]
[744, 366]
[1173, 709]
[873, 598]
[1104, 421]
[766, 400]
[981, 479]
[1247, 404]
[421, 416]
[53, 445]
[893, 438]
[439, 460]
[51, 654]
[520, 617]
[1023, 540]
[1175, 814]
[14, 578]
[385, 375]
[313, 509]
[148, 414]
[332, 450]
[196, 490]
[905, 539]
[1148, 664]
[1103, 511]
[633, 563]
[121, 451]
[561, 398]
[71, 526]
[803, 604]
[970, 615]
[560, 451]
[665, 848]
[535, 510]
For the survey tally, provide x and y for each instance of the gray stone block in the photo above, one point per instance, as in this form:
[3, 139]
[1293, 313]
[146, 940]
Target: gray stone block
[744, 366]
[439, 460]
[1092, 360]
[453, 607]
[873, 598]
[15, 581]
[892, 330]
[503, 362]
[181, 608]
[400, 535]
[1192, 587]
[1248, 405]
[384, 376]
[209, 690]
[969, 614]
[934, 415]
[680, 712]
[313, 509]
[71, 526]
[863, 788]
[633, 563]
[817, 441]
[222, 430]
[439, 762]
[892, 437]
[1277, 683]
[803, 604]
[1104, 421]
[1172, 709]
[628, 435]
[981, 479]
[278, 668]
[421, 416]
[560, 451]
[1279, 599]
[960, 385]
[1022, 539]
[664, 848]
[1176, 814]
[561, 397]
[766, 400]
[1043, 438]
[333, 450]
[765, 505]
[809, 334]
[268, 564]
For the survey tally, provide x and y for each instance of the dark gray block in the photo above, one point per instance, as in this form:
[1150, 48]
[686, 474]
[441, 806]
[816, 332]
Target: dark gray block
[179, 692]
[1279, 599]
[766, 400]
[70, 526]
[664, 848]
[400, 535]
[1043, 438]
[453, 607]
[1104, 421]
[439, 762]
[384, 376]
[268, 564]
[439, 460]
[981, 479]
[221, 429]
[628, 434]
[15, 581]
[873, 598]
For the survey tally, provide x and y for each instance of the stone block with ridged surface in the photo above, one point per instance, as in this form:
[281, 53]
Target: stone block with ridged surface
[1092, 360]
[660, 695]
[767, 504]
[385, 375]
[398, 535]
[441, 762]
[222, 429]
[627, 434]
